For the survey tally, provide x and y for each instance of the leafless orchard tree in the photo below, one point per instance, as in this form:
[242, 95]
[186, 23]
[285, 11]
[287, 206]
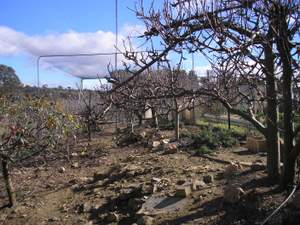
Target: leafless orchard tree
[260, 35]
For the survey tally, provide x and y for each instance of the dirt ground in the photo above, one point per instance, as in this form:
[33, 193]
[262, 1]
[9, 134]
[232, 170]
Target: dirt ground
[105, 184]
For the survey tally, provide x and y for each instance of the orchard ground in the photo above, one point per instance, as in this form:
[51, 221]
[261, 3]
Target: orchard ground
[102, 183]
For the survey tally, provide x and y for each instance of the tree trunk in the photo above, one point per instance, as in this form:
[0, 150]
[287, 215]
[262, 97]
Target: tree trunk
[272, 135]
[89, 129]
[140, 117]
[131, 123]
[284, 49]
[8, 183]
[154, 118]
[177, 122]
[228, 119]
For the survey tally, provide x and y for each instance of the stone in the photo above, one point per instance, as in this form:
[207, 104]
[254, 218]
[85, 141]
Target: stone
[112, 217]
[147, 189]
[233, 194]
[74, 154]
[62, 170]
[75, 165]
[183, 191]
[84, 207]
[146, 220]
[99, 176]
[53, 219]
[170, 148]
[165, 141]
[258, 166]
[232, 169]
[143, 134]
[155, 144]
[208, 179]
[155, 179]
[197, 185]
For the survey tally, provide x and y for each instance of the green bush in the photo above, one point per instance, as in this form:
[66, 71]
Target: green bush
[212, 138]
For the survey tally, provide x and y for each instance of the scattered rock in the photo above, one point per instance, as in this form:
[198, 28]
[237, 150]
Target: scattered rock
[146, 220]
[258, 166]
[112, 217]
[197, 184]
[232, 194]
[76, 187]
[170, 148]
[75, 165]
[208, 179]
[62, 170]
[99, 176]
[183, 191]
[143, 134]
[84, 207]
[155, 144]
[232, 170]
[53, 219]
[165, 141]
[147, 189]
[74, 154]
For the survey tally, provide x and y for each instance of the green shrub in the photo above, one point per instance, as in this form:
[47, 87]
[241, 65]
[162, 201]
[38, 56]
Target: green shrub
[211, 138]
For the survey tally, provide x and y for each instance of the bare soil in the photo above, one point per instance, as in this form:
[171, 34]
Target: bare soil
[124, 179]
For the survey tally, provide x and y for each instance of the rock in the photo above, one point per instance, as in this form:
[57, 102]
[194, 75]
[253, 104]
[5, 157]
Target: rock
[183, 191]
[75, 165]
[170, 148]
[146, 220]
[112, 217]
[61, 170]
[165, 141]
[74, 154]
[53, 219]
[258, 166]
[76, 187]
[232, 194]
[296, 201]
[155, 144]
[143, 134]
[208, 179]
[99, 176]
[197, 184]
[84, 207]
[147, 189]
[232, 169]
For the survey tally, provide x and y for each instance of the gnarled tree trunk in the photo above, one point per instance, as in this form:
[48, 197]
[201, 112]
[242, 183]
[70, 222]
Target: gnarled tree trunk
[8, 183]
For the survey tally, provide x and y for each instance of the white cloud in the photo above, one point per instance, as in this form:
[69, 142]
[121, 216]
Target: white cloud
[13, 42]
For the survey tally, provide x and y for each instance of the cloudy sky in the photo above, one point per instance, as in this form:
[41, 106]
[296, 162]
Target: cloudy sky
[32, 28]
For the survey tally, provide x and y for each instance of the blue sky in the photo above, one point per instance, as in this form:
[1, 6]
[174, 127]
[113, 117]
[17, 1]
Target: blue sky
[29, 28]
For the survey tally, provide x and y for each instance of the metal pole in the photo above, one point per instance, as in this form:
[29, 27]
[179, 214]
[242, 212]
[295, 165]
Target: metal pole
[116, 55]
[38, 74]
